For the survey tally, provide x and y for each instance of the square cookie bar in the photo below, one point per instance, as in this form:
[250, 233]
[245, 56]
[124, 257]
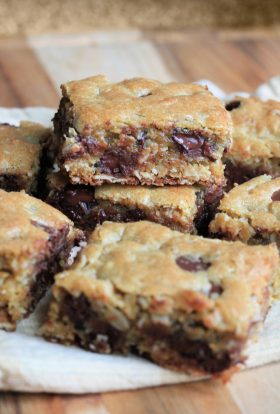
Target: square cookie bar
[35, 242]
[188, 303]
[183, 208]
[250, 212]
[141, 131]
[21, 150]
[256, 140]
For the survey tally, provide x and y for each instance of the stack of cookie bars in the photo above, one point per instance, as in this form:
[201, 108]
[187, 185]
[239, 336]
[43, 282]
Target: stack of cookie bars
[154, 151]
[138, 168]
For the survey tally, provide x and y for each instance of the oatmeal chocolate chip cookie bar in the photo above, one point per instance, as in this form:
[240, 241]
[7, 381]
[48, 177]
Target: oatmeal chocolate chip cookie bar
[21, 150]
[141, 131]
[250, 213]
[189, 303]
[183, 208]
[256, 140]
[36, 241]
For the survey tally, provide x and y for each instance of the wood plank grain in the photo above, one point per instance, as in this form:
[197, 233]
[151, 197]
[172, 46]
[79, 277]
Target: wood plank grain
[233, 63]
[18, 403]
[257, 390]
[23, 80]
[65, 60]
[179, 399]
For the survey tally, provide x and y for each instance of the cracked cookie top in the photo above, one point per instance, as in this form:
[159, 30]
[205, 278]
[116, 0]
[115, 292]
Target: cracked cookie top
[95, 104]
[21, 147]
[256, 128]
[225, 282]
[250, 208]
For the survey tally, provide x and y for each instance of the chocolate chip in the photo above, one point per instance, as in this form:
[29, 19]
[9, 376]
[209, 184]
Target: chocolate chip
[74, 202]
[42, 282]
[118, 162]
[232, 105]
[136, 215]
[213, 194]
[92, 332]
[191, 264]
[276, 196]
[80, 205]
[79, 195]
[206, 208]
[193, 144]
[216, 289]
[78, 309]
[58, 252]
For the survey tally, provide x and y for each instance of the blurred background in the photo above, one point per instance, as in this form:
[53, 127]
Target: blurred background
[28, 17]
[233, 43]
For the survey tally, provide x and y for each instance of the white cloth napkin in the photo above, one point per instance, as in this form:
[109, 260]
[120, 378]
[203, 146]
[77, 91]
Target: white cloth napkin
[29, 363]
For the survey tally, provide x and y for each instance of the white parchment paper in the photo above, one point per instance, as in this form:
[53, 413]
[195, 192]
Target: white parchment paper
[29, 363]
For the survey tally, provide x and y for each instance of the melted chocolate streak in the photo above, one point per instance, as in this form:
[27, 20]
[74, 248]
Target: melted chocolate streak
[196, 352]
[118, 162]
[76, 203]
[193, 144]
[122, 162]
[80, 205]
[50, 264]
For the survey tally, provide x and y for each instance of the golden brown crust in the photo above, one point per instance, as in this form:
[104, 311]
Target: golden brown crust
[20, 153]
[189, 303]
[249, 206]
[256, 130]
[250, 213]
[178, 207]
[182, 198]
[140, 259]
[19, 215]
[206, 174]
[32, 236]
[141, 131]
[175, 207]
[142, 102]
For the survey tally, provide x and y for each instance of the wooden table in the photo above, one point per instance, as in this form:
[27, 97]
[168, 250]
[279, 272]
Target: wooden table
[30, 73]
